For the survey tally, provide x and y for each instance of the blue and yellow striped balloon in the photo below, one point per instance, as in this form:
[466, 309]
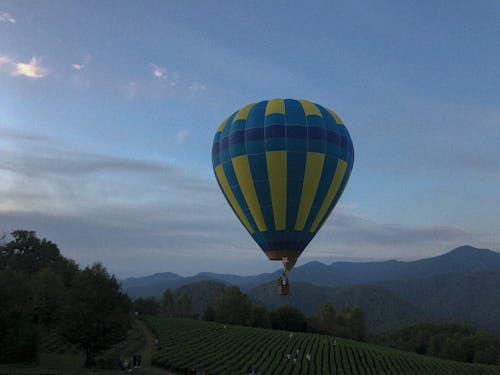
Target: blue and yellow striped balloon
[282, 165]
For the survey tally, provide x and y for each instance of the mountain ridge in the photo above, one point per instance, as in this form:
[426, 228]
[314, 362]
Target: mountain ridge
[464, 258]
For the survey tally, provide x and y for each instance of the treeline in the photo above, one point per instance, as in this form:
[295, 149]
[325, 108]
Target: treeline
[232, 306]
[43, 293]
[445, 340]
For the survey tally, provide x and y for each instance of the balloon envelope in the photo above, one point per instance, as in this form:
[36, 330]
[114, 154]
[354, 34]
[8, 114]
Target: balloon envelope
[282, 165]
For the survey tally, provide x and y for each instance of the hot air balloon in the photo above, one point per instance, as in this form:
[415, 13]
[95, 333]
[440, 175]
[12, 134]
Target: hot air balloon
[282, 165]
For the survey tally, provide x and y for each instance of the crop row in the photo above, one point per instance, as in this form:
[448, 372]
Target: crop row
[224, 349]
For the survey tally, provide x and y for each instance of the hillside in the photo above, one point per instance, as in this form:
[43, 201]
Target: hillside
[383, 309]
[225, 349]
[473, 297]
[201, 294]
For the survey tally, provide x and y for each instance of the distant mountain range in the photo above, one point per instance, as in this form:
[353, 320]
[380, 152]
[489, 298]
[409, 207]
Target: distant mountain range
[462, 284]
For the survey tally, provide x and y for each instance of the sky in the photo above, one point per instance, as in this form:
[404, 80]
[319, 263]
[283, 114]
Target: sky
[108, 112]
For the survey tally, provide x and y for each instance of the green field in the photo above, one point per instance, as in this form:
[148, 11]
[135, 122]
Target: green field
[224, 349]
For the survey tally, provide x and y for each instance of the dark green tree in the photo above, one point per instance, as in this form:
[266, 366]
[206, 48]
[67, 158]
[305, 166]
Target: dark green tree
[209, 313]
[232, 306]
[168, 303]
[18, 333]
[183, 306]
[47, 288]
[97, 313]
[288, 318]
[357, 323]
[147, 306]
[260, 317]
[325, 318]
[27, 253]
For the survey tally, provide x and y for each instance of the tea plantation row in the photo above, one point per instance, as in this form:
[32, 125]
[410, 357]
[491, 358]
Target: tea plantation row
[216, 348]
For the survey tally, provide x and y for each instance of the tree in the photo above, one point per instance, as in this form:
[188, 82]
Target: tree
[260, 317]
[183, 306]
[168, 303]
[18, 333]
[288, 318]
[47, 290]
[27, 253]
[325, 318]
[232, 306]
[147, 306]
[357, 322]
[209, 314]
[97, 313]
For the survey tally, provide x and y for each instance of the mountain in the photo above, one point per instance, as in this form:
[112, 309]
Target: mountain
[155, 285]
[459, 260]
[461, 284]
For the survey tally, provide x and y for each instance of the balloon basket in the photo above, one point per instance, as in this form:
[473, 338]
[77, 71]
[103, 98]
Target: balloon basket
[283, 290]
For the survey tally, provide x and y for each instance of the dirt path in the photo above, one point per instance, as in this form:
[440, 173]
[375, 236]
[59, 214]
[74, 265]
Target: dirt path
[147, 353]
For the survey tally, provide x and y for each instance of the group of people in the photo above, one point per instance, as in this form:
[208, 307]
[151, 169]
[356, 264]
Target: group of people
[125, 364]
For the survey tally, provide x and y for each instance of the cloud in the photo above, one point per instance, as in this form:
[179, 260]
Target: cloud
[80, 66]
[33, 69]
[6, 17]
[159, 72]
[131, 89]
[181, 136]
[173, 84]
[196, 88]
[6, 64]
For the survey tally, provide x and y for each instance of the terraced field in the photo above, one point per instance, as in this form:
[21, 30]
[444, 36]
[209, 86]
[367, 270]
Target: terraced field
[223, 349]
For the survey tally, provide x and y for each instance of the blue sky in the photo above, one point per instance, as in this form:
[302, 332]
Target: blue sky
[108, 110]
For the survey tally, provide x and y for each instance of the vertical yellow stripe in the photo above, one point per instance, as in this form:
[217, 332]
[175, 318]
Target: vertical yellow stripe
[330, 195]
[243, 113]
[312, 175]
[337, 118]
[222, 125]
[245, 180]
[275, 106]
[277, 171]
[221, 176]
[310, 108]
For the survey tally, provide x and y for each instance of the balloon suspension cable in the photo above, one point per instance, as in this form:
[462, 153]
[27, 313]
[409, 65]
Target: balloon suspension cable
[285, 262]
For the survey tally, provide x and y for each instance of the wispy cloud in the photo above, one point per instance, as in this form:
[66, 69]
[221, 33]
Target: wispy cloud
[6, 64]
[6, 17]
[181, 136]
[32, 69]
[158, 71]
[131, 89]
[83, 64]
[172, 83]
[196, 88]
